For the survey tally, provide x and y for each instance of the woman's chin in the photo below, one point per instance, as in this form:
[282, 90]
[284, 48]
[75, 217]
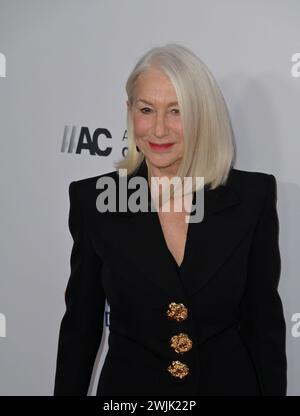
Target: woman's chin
[161, 160]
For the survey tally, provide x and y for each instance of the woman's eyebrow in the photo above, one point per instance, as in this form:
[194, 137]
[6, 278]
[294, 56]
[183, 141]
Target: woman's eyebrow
[147, 102]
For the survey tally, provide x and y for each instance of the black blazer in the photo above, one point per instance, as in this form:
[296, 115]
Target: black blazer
[223, 299]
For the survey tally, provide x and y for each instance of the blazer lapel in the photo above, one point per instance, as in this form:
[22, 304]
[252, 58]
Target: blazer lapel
[208, 244]
[211, 241]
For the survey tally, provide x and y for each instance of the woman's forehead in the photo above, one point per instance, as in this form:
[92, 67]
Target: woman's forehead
[150, 86]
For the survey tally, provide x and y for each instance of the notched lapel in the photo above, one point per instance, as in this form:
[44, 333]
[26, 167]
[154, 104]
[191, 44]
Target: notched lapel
[214, 239]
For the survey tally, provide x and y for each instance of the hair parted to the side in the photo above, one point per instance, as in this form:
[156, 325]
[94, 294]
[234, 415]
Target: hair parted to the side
[207, 130]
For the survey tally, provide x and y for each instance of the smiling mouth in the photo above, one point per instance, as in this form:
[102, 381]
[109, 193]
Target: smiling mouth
[162, 146]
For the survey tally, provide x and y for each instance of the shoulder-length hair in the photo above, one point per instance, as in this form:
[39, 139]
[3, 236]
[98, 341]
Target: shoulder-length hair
[207, 130]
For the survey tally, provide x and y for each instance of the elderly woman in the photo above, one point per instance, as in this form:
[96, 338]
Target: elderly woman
[194, 306]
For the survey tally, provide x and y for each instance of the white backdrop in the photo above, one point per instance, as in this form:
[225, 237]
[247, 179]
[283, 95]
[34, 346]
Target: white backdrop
[63, 68]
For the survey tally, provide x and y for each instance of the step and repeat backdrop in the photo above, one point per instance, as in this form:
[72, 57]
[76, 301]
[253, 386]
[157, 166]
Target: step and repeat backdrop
[63, 68]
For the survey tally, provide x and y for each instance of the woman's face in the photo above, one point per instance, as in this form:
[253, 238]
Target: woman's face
[157, 121]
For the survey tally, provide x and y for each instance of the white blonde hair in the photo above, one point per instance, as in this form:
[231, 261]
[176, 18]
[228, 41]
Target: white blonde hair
[207, 130]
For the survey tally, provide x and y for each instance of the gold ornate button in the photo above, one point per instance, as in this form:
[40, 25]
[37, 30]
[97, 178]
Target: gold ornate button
[178, 369]
[181, 343]
[177, 311]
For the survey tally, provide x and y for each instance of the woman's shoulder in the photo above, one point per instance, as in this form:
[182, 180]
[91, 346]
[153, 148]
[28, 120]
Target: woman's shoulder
[251, 183]
[88, 184]
[256, 175]
[86, 190]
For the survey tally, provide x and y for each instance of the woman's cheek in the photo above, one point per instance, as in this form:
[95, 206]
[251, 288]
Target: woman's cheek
[141, 126]
[178, 127]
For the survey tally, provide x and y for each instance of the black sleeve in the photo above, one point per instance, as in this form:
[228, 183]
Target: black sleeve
[262, 323]
[81, 327]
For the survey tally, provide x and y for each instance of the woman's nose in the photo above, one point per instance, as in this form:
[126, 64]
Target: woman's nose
[161, 128]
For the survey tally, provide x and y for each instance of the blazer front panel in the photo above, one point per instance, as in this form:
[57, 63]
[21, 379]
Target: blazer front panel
[228, 281]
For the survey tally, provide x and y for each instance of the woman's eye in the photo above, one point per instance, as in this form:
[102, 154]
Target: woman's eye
[145, 108]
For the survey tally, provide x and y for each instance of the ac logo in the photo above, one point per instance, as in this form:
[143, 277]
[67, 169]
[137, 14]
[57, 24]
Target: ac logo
[86, 141]
[2, 65]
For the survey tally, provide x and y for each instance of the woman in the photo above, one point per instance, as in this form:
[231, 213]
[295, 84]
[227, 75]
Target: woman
[194, 306]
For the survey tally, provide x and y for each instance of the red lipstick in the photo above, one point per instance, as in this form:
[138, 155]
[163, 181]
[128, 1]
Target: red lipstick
[160, 147]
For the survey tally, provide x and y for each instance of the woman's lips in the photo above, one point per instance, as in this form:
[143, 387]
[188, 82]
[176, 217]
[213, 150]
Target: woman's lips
[160, 147]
